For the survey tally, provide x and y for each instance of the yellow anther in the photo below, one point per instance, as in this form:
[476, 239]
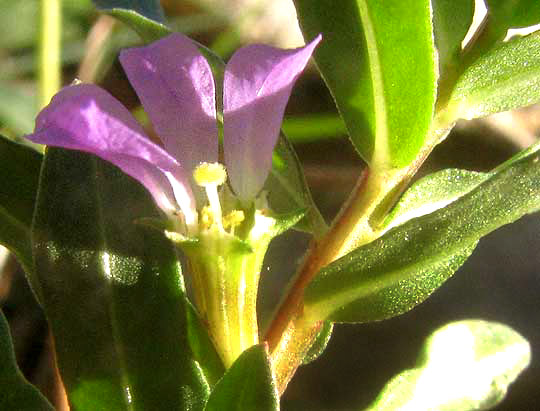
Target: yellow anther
[206, 174]
[206, 218]
[233, 219]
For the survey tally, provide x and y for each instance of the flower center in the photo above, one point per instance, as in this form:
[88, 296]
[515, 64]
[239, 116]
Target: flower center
[210, 176]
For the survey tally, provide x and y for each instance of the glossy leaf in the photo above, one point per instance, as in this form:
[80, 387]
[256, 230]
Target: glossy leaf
[399, 270]
[19, 175]
[384, 91]
[451, 22]
[247, 385]
[507, 14]
[15, 392]
[432, 192]
[466, 365]
[506, 78]
[319, 344]
[144, 17]
[112, 291]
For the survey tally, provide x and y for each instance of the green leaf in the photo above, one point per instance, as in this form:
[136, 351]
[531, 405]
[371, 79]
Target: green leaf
[19, 175]
[203, 348]
[466, 365]
[505, 78]
[379, 61]
[451, 22]
[319, 344]
[143, 16]
[15, 392]
[247, 385]
[112, 291]
[399, 270]
[151, 9]
[432, 192]
[507, 14]
[288, 191]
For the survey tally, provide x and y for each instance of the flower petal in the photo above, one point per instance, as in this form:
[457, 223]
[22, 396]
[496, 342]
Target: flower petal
[175, 85]
[257, 85]
[86, 118]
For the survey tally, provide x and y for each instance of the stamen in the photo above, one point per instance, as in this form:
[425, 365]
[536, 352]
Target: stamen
[233, 220]
[206, 218]
[210, 176]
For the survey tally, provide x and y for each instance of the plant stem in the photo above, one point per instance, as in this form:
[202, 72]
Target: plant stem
[98, 47]
[49, 70]
[291, 334]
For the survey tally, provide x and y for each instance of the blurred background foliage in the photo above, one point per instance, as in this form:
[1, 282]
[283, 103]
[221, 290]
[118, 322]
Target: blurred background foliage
[500, 282]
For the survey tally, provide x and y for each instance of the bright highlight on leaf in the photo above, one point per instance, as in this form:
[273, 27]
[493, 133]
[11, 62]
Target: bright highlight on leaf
[431, 193]
[507, 77]
[384, 91]
[466, 366]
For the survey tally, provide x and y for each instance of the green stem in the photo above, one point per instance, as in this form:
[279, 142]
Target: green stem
[49, 70]
[291, 333]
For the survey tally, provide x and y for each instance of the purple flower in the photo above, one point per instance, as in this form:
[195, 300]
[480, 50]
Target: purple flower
[175, 85]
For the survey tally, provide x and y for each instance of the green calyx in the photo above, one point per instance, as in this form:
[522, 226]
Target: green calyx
[225, 249]
[225, 270]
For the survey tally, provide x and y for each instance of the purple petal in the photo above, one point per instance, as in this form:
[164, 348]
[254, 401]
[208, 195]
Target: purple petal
[86, 118]
[175, 85]
[257, 85]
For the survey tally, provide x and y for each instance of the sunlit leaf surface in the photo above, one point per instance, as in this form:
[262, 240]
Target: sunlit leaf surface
[506, 78]
[384, 90]
[466, 366]
[403, 267]
[506, 14]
